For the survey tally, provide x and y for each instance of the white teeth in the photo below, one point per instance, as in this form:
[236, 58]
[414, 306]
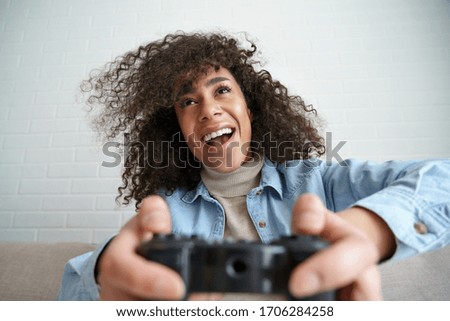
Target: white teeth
[218, 133]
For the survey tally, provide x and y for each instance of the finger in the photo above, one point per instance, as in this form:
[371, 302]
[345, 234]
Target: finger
[138, 277]
[206, 297]
[108, 293]
[308, 215]
[366, 287]
[154, 216]
[155, 282]
[349, 255]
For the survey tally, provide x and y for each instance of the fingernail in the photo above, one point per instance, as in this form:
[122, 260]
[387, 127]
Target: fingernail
[155, 224]
[306, 285]
[312, 219]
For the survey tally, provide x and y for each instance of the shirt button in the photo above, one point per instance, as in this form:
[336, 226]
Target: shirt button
[259, 192]
[420, 228]
[262, 224]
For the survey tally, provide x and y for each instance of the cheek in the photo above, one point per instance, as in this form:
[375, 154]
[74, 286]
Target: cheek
[185, 125]
[247, 119]
[250, 115]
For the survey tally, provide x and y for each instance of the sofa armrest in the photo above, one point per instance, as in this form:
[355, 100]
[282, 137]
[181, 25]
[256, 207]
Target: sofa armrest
[33, 271]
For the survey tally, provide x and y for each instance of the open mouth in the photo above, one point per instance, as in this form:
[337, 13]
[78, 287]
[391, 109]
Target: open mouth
[220, 136]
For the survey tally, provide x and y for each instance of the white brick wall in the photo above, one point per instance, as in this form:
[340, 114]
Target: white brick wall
[378, 71]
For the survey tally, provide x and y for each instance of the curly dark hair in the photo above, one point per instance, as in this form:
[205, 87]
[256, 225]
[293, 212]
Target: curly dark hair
[135, 93]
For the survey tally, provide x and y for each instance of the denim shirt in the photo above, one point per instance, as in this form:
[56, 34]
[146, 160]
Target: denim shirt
[412, 197]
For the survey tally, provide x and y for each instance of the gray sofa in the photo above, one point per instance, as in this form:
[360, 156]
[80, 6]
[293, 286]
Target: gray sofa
[32, 271]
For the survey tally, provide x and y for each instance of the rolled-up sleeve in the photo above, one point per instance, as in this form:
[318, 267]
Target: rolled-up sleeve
[412, 197]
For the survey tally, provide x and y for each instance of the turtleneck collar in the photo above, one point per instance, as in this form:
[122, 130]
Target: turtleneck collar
[237, 183]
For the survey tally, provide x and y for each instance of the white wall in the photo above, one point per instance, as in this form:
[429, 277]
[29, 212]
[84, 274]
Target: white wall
[377, 70]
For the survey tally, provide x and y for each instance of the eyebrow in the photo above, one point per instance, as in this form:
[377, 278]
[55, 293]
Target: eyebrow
[189, 89]
[215, 80]
[185, 89]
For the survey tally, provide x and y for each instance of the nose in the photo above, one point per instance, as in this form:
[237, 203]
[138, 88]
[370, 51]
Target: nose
[209, 109]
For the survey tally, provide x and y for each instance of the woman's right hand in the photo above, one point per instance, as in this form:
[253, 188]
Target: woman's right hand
[125, 275]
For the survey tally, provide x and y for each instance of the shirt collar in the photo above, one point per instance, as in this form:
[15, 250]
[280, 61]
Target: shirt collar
[193, 194]
[270, 177]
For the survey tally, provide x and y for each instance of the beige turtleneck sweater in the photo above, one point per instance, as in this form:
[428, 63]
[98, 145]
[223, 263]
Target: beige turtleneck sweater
[231, 190]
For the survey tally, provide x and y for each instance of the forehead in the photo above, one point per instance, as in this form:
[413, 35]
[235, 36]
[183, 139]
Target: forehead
[189, 83]
[206, 78]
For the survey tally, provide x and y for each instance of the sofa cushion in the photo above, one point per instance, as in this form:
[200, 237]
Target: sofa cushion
[33, 271]
[423, 277]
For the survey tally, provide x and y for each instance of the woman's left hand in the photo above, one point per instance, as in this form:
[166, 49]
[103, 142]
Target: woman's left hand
[358, 238]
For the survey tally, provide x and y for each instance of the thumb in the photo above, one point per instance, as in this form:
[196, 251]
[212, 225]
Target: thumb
[154, 216]
[308, 215]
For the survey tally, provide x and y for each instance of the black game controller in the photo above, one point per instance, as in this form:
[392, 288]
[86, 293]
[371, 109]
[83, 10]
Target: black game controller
[239, 267]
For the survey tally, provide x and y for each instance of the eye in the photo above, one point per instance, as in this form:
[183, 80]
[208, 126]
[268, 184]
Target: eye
[223, 90]
[186, 102]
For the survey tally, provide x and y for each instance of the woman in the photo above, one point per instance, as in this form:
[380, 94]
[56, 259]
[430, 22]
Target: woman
[241, 162]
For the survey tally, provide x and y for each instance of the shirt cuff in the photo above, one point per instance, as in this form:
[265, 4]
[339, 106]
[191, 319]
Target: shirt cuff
[417, 226]
[88, 274]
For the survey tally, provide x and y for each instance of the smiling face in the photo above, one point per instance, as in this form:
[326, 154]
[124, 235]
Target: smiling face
[215, 120]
